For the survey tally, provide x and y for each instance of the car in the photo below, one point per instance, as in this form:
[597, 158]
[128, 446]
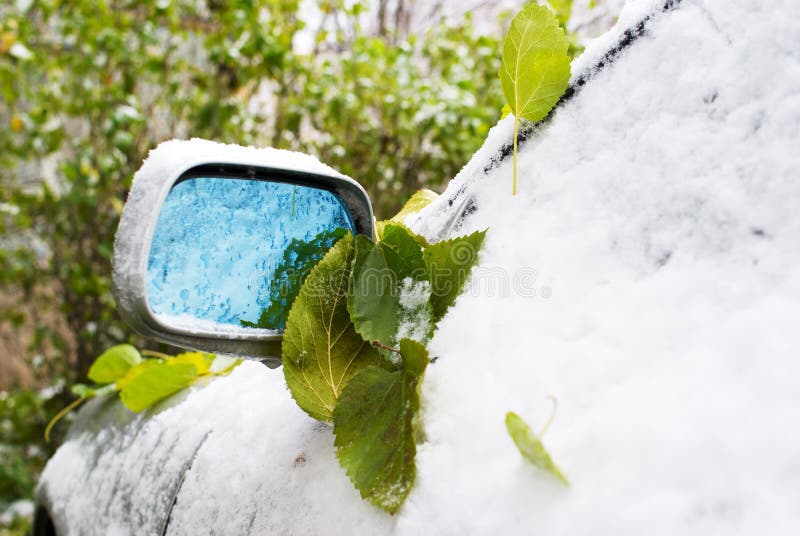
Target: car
[645, 276]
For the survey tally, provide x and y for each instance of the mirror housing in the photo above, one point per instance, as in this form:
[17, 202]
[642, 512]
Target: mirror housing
[169, 164]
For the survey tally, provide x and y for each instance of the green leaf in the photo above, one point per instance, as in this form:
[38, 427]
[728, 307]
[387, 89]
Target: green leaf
[376, 428]
[381, 273]
[114, 363]
[530, 446]
[449, 263]
[321, 349]
[201, 361]
[418, 201]
[153, 381]
[505, 111]
[535, 69]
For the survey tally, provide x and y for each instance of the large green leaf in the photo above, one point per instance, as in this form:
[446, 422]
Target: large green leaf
[321, 349]
[114, 363]
[535, 69]
[376, 431]
[382, 273]
[153, 381]
[449, 263]
[531, 447]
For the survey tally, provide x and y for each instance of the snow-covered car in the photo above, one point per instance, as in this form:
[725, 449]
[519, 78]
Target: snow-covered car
[647, 275]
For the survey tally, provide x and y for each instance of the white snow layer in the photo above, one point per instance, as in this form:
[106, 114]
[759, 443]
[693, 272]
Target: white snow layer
[651, 285]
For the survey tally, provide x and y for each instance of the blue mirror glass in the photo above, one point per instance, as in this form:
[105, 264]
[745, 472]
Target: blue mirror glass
[233, 252]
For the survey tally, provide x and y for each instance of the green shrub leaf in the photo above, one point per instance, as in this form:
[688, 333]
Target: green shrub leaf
[531, 447]
[376, 428]
[321, 349]
[449, 263]
[535, 69]
[383, 276]
[114, 363]
[153, 381]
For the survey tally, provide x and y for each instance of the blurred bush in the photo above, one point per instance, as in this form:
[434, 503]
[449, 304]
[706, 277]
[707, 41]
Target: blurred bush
[89, 87]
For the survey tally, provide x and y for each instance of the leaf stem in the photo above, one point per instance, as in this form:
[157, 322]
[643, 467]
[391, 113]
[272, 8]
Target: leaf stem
[554, 400]
[153, 353]
[379, 344]
[516, 133]
[60, 415]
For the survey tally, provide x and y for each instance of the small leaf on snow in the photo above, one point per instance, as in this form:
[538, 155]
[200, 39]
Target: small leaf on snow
[376, 428]
[114, 363]
[535, 69]
[449, 263]
[379, 273]
[153, 381]
[321, 349]
[531, 446]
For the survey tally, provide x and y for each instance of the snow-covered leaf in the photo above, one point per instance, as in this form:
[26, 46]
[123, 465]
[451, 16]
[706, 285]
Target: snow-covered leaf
[376, 429]
[321, 348]
[379, 272]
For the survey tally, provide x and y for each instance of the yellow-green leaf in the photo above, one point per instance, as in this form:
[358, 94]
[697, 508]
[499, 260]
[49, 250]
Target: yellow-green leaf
[531, 447]
[153, 381]
[535, 69]
[200, 360]
[418, 201]
[114, 363]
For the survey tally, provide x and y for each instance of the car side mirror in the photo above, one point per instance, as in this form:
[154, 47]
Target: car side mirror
[215, 240]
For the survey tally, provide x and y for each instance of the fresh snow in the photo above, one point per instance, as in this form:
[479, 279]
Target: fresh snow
[651, 285]
[415, 310]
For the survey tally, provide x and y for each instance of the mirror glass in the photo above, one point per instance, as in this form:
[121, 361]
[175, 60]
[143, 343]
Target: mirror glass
[233, 252]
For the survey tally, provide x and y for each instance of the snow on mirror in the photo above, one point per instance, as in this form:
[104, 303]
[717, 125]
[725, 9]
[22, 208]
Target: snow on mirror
[234, 251]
